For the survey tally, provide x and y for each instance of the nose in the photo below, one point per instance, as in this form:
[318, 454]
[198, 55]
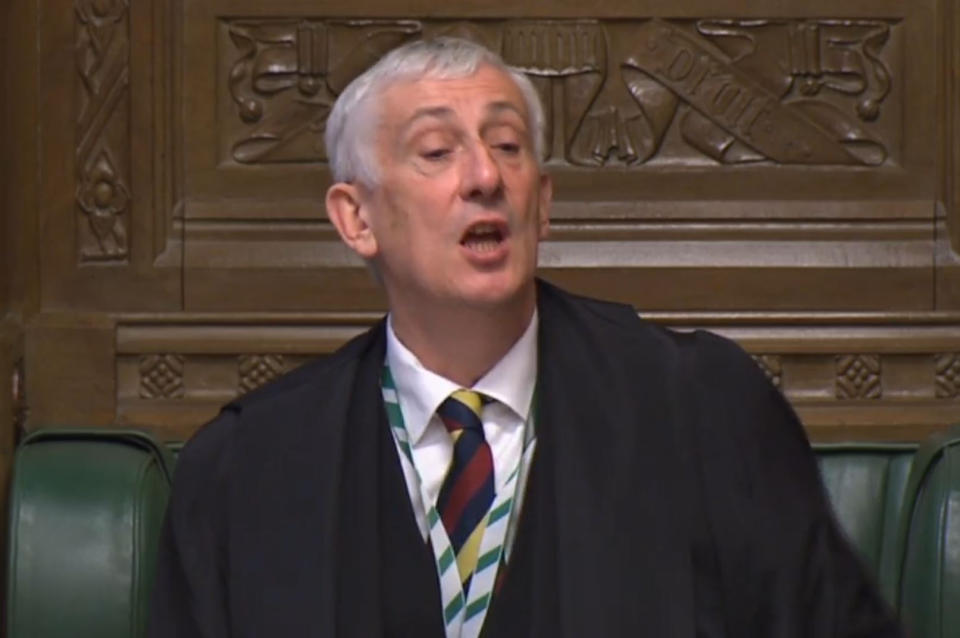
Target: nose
[481, 177]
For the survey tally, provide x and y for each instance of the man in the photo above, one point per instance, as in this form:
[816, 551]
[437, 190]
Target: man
[497, 456]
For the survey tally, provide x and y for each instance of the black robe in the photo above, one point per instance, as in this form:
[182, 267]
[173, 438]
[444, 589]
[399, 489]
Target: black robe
[675, 495]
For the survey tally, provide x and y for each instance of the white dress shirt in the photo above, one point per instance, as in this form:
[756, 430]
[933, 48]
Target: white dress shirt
[420, 392]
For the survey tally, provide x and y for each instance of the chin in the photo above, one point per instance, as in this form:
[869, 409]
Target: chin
[499, 294]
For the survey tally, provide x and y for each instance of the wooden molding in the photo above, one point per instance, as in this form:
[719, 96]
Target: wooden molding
[860, 375]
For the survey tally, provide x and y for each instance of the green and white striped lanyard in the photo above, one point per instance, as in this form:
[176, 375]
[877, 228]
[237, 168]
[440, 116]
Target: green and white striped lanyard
[463, 616]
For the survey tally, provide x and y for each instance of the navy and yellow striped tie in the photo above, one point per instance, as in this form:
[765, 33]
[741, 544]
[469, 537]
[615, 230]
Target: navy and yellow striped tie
[467, 490]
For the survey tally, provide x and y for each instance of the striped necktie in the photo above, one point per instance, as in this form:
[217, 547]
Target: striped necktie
[467, 489]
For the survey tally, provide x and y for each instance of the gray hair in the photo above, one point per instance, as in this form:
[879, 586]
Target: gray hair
[349, 146]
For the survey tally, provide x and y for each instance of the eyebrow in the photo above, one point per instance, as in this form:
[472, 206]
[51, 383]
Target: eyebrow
[504, 105]
[439, 112]
[430, 111]
[446, 112]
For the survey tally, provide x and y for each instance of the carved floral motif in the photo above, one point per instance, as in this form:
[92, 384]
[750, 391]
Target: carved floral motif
[858, 376]
[103, 197]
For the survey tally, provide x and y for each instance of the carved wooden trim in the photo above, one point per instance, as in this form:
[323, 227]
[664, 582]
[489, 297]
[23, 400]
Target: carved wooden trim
[103, 136]
[255, 370]
[161, 376]
[167, 126]
[858, 376]
[948, 375]
[893, 375]
[950, 112]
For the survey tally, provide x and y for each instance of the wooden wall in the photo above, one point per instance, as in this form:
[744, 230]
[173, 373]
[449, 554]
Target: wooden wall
[782, 172]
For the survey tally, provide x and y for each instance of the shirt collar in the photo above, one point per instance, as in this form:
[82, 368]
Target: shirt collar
[420, 391]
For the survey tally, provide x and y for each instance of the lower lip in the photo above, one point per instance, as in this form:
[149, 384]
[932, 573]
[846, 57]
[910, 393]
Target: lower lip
[488, 255]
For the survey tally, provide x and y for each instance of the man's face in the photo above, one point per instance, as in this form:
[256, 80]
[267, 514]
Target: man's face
[460, 205]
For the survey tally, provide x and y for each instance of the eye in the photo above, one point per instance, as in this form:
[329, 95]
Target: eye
[510, 148]
[435, 154]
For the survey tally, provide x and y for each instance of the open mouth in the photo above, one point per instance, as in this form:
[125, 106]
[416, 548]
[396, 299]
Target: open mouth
[483, 237]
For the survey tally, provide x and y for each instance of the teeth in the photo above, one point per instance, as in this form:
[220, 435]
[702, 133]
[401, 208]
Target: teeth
[483, 245]
[483, 237]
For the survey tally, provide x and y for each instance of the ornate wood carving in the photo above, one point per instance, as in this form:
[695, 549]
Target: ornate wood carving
[616, 93]
[103, 136]
[257, 369]
[948, 376]
[858, 376]
[290, 72]
[909, 386]
[161, 376]
[855, 376]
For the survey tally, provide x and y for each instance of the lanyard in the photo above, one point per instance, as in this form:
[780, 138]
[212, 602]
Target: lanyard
[463, 616]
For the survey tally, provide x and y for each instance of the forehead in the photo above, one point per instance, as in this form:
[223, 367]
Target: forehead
[487, 91]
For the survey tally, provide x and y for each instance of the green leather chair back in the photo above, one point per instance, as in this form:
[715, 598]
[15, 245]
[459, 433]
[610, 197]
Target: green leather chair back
[86, 510]
[930, 585]
[867, 483]
[85, 514]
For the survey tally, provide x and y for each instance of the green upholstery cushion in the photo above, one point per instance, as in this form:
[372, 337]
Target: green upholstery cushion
[85, 514]
[930, 591]
[86, 510]
[866, 483]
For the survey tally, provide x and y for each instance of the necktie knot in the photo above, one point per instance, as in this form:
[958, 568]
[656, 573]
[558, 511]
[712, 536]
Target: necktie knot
[461, 411]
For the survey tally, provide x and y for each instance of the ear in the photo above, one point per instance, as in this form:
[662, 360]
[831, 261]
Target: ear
[546, 199]
[348, 213]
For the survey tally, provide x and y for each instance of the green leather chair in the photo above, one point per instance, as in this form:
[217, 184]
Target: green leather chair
[929, 599]
[85, 515]
[867, 485]
[86, 508]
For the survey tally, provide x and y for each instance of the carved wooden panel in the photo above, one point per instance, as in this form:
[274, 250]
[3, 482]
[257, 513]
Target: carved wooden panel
[700, 162]
[629, 93]
[108, 191]
[727, 91]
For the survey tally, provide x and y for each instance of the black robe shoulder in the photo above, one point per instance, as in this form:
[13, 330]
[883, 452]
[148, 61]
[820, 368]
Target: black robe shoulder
[681, 492]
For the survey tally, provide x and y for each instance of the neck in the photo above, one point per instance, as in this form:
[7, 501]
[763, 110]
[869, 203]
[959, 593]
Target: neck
[461, 343]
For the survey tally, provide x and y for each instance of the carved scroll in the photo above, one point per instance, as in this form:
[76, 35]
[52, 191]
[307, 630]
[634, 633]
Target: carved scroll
[756, 101]
[103, 140]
